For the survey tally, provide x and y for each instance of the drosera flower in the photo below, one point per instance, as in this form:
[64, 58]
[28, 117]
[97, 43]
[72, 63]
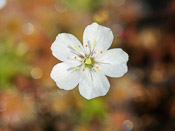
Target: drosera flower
[88, 64]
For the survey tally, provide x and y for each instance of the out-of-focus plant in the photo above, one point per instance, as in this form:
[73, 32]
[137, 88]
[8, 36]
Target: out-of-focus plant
[16, 109]
[84, 5]
[93, 109]
[101, 16]
[12, 62]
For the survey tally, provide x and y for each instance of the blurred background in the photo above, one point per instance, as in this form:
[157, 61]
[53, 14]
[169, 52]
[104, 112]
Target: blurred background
[142, 100]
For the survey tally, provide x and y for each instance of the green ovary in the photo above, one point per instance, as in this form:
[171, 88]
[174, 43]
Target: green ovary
[88, 62]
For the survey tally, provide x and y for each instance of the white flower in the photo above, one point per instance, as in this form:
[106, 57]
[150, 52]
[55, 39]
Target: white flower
[87, 64]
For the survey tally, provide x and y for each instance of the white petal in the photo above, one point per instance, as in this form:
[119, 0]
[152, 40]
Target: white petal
[64, 75]
[113, 62]
[66, 47]
[101, 34]
[93, 84]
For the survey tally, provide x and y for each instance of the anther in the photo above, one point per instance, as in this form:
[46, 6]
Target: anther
[74, 69]
[94, 44]
[76, 47]
[99, 70]
[101, 52]
[83, 69]
[86, 45]
[75, 57]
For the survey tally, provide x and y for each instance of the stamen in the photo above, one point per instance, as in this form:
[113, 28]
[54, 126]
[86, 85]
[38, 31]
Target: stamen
[74, 69]
[86, 45]
[75, 57]
[98, 70]
[94, 44]
[97, 67]
[101, 51]
[76, 48]
[83, 69]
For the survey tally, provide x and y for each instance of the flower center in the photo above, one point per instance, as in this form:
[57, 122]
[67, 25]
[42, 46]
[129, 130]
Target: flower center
[88, 62]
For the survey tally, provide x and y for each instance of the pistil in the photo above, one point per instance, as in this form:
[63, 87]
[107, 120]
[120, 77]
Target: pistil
[88, 63]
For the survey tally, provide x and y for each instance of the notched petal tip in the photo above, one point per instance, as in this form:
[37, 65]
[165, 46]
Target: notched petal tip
[93, 97]
[125, 70]
[52, 72]
[124, 54]
[99, 33]
[94, 84]
[114, 62]
[96, 24]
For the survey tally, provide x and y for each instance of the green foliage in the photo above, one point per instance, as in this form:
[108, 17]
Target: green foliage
[93, 109]
[84, 5]
[12, 62]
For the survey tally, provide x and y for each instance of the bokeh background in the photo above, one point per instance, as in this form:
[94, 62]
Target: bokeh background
[142, 100]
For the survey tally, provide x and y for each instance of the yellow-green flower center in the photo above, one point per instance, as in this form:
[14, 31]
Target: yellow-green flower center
[88, 62]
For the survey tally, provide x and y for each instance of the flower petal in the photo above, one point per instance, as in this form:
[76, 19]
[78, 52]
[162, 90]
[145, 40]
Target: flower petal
[113, 62]
[66, 47]
[65, 75]
[98, 37]
[93, 84]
